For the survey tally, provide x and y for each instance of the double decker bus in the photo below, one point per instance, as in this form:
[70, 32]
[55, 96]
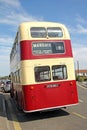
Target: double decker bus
[42, 67]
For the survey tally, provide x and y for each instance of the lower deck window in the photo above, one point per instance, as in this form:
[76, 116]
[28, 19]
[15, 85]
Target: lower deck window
[42, 73]
[59, 72]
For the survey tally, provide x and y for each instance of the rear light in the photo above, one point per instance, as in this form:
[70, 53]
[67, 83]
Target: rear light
[71, 83]
[31, 87]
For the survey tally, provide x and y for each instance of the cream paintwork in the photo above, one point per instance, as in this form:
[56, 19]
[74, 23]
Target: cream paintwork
[24, 30]
[27, 68]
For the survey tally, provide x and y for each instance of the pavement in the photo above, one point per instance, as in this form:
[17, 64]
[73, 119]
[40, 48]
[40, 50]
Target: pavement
[3, 117]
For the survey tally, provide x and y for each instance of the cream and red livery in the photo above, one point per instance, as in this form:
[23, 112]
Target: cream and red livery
[42, 67]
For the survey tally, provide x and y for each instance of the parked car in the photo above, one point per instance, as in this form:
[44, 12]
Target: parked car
[7, 86]
[2, 86]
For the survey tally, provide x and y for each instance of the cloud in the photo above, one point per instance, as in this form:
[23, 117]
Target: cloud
[80, 54]
[13, 3]
[79, 41]
[13, 18]
[78, 29]
[81, 20]
[81, 29]
[4, 57]
[5, 40]
[4, 68]
[5, 48]
[12, 13]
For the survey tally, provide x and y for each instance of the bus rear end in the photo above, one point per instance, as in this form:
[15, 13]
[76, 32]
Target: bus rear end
[49, 96]
[43, 67]
[50, 84]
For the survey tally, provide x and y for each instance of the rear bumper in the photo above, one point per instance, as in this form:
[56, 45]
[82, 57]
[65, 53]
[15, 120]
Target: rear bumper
[50, 109]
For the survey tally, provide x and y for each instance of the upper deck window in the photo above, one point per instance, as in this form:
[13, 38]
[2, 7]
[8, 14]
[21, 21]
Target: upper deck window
[54, 32]
[42, 32]
[38, 32]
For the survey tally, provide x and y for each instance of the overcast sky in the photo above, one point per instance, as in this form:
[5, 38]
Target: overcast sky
[72, 13]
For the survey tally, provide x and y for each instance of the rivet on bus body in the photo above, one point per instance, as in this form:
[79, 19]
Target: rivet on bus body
[31, 87]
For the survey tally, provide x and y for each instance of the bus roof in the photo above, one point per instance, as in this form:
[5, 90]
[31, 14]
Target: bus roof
[38, 24]
[24, 29]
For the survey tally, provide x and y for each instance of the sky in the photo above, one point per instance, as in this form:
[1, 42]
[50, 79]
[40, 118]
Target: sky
[72, 13]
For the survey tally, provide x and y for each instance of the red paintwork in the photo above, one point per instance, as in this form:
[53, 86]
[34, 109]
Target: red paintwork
[38, 96]
[26, 51]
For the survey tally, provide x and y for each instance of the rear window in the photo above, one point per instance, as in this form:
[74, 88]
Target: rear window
[38, 32]
[42, 32]
[59, 72]
[42, 73]
[54, 32]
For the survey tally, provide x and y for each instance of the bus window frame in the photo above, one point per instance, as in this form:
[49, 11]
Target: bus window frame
[40, 73]
[60, 74]
[46, 33]
[38, 33]
[52, 32]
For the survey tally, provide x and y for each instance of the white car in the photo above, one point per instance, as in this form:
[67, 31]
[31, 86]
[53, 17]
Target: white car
[7, 86]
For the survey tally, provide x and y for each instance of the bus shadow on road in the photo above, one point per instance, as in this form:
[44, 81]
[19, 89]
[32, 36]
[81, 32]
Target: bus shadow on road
[12, 112]
[42, 115]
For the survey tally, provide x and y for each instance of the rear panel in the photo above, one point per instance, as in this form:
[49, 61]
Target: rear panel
[50, 94]
[40, 97]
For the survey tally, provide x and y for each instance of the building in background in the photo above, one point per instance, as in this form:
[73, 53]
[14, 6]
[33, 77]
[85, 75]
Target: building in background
[81, 75]
[81, 72]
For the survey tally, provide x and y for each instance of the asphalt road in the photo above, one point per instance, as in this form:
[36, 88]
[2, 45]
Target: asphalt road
[71, 118]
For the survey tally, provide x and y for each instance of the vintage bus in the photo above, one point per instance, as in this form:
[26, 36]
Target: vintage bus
[42, 67]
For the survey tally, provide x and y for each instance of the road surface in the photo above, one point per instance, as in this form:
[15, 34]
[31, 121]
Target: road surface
[71, 118]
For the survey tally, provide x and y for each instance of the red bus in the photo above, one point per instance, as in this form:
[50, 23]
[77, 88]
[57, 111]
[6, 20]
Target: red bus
[42, 67]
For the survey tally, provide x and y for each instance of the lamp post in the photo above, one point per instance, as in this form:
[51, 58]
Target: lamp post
[78, 69]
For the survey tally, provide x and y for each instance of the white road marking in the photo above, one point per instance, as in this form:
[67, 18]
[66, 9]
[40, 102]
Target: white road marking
[81, 100]
[79, 115]
[81, 86]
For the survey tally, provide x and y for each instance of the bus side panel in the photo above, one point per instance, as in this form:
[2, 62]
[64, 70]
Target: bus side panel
[48, 95]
